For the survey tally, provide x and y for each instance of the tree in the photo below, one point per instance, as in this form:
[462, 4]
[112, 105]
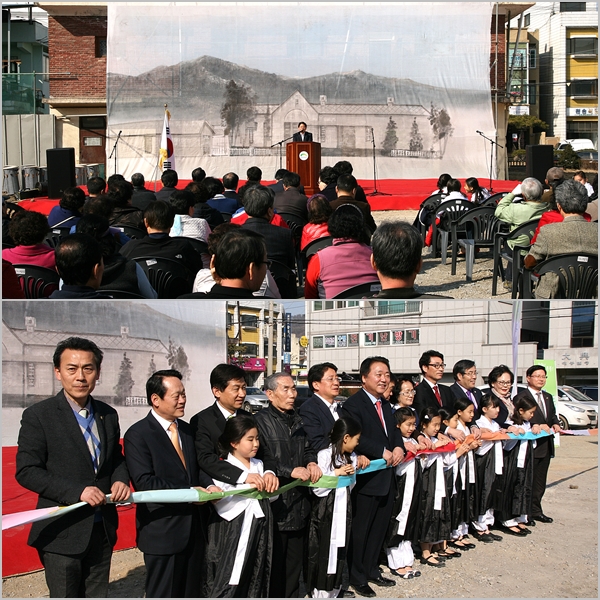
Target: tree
[441, 125]
[238, 107]
[125, 382]
[523, 123]
[151, 367]
[416, 139]
[391, 138]
[178, 360]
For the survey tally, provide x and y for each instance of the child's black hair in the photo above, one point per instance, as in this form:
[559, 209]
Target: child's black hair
[446, 413]
[524, 403]
[235, 429]
[489, 401]
[426, 415]
[403, 414]
[343, 426]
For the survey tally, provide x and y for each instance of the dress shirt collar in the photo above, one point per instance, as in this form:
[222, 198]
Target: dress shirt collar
[76, 407]
[534, 393]
[161, 421]
[225, 412]
[431, 385]
[371, 397]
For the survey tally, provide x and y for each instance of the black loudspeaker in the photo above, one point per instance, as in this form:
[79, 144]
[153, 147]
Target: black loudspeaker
[539, 159]
[61, 170]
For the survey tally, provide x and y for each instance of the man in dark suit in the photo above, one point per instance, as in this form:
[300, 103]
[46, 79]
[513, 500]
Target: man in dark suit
[464, 386]
[69, 451]
[159, 218]
[290, 203]
[545, 419]
[302, 135]
[320, 412]
[169, 179]
[141, 196]
[372, 497]
[346, 189]
[230, 183]
[160, 455]
[229, 389]
[258, 201]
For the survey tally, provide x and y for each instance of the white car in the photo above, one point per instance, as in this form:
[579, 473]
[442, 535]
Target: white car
[575, 410]
[255, 400]
[577, 144]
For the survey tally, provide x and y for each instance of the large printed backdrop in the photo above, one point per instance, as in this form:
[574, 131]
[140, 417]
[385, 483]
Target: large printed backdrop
[411, 77]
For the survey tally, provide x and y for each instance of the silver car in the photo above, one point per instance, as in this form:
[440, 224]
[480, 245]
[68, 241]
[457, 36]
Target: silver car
[255, 400]
[575, 409]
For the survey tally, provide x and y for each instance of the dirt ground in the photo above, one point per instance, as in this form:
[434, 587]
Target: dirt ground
[559, 560]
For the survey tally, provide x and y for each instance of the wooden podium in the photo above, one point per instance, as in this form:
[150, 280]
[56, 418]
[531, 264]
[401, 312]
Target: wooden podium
[304, 158]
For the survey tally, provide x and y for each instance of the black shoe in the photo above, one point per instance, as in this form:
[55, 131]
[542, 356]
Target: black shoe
[544, 519]
[365, 590]
[346, 594]
[530, 523]
[486, 538]
[383, 582]
[495, 537]
[520, 533]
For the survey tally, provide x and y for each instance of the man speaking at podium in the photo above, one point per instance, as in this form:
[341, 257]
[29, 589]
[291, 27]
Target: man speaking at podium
[302, 135]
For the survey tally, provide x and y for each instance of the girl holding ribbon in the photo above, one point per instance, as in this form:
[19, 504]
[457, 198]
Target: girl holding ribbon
[240, 529]
[331, 515]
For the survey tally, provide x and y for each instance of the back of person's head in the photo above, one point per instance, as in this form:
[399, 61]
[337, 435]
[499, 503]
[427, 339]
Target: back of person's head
[328, 175]
[159, 215]
[554, 176]
[28, 227]
[217, 233]
[319, 209]
[182, 201]
[120, 192]
[258, 200]
[473, 183]
[291, 179]
[198, 174]
[280, 174]
[427, 356]
[137, 180]
[113, 178]
[532, 189]
[346, 183]
[76, 256]
[223, 374]
[347, 221]
[73, 199]
[97, 226]
[254, 174]
[155, 383]
[213, 186]
[443, 180]
[96, 185]
[236, 250]
[230, 181]
[169, 178]
[397, 248]
[453, 185]
[99, 205]
[572, 197]
[343, 167]
[199, 191]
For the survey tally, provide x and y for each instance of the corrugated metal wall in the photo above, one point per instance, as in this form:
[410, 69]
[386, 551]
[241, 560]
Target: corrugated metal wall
[25, 139]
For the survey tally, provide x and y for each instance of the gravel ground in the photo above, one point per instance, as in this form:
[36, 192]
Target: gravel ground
[559, 560]
[435, 278]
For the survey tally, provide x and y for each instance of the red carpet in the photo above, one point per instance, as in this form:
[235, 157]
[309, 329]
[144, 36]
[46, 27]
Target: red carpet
[17, 556]
[402, 194]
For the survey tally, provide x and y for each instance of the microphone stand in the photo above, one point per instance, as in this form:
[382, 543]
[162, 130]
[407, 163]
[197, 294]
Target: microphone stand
[492, 142]
[375, 191]
[280, 144]
[114, 150]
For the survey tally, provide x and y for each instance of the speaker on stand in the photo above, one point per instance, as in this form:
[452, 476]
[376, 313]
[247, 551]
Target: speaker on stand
[60, 163]
[539, 159]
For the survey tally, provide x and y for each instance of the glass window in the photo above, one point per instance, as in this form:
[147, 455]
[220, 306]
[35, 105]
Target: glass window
[317, 305]
[583, 87]
[526, 20]
[353, 339]
[412, 336]
[370, 339]
[330, 341]
[351, 303]
[30, 374]
[100, 47]
[533, 56]
[398, 336]
[572, 7]
[318, 341]
[532, 92]
[587, 46]
[342, 340]
[383, 338]
[328, 304]
[582, 324]
[249, 321]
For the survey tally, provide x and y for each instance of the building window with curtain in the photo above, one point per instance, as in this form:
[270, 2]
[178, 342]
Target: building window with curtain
[582, 324]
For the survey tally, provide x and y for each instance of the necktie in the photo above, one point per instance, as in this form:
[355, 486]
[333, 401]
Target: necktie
[84, 413]
[436, 391]
[89, 429]
[175, 441]
[541, 403]
[380, 412]
[471, 397]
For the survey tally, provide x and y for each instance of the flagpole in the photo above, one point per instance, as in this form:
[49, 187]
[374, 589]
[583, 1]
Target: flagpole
[157, 165]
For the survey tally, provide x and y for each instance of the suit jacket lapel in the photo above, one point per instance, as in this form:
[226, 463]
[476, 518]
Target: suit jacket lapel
[325, 411]
[189, 451]
[372, 410]
[163, 439]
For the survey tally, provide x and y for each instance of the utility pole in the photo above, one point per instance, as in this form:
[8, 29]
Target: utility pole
[270, 341]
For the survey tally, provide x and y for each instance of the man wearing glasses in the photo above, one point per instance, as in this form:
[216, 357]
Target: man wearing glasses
[544, 419]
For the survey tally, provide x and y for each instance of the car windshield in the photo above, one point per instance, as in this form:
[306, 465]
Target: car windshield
[255, 391]
[576, 394]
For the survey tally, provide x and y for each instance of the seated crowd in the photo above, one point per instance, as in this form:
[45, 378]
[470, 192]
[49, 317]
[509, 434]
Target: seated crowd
[331, 236]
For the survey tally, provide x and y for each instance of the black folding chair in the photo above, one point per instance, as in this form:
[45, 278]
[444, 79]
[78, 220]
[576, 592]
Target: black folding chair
[577, 274]
[285, 278]
[449, 211]
[122, 294]
[493, 199]
[481, 224]
[201, 248]
[427, 212]
[362, 290]
[503, 251]
[55, 235]
[168, 277]
[316, 245]
[135, 233]
[37, 282]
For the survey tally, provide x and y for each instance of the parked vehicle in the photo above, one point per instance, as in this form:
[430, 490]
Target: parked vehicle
[255, 400]
[575, 409]
[577, 144]
[591, 391]
[588, 154]
[304, 393]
